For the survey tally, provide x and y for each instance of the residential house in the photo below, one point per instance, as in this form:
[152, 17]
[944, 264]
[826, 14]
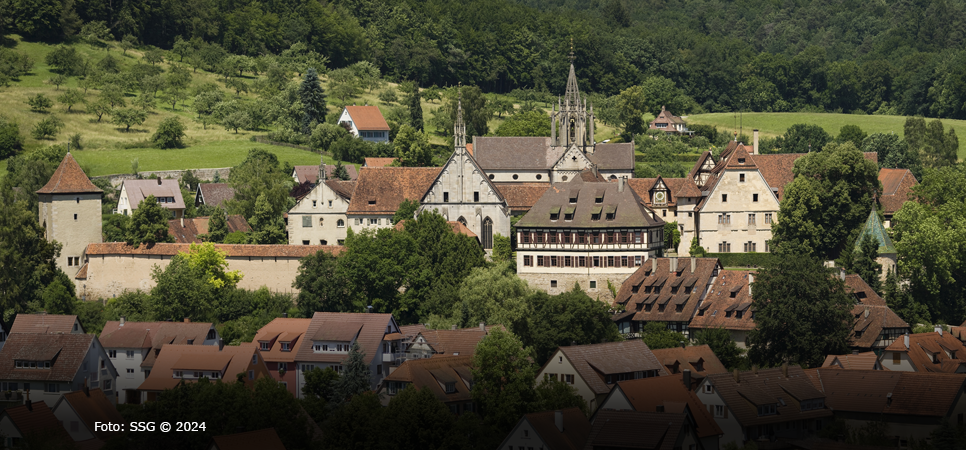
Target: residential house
[330, 336]
[645, 430]
[449, 378]
[462, 192]
[671, 394]
[264, 439]
[727, 304]
[310, 174]
[319, 218]
[70, 213]
[33, 424]
[214, 194]
[167, 192]
[379, 192]
[48, 365]
[43, 323]
[566, 429]
[365, 122]
[82, 410]
[764, 404]
[186, 231]
[897, 184]
[925, 352]
[133, 348]
[591, 233]
[594, 369]
[876, 325]
[190, 363]
[673, 199]
[374, 162]
[667, 290]
[426, 343]
[669, 123]
[698, 361]
[854, 361]
[279, 342]
[912, 405]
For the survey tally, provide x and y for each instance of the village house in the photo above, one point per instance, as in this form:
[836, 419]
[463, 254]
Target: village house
[587, 232]
[319, 218]
[779, 403]
[310, 174]
[911, 405]
[45, 366]
[330, 336]
[424, 343]
[167, 192]
[673, 199]
[264, 439]
[449, 378]
[70, 213]
[214, 194]
[925, 352]
[667, 290]
[43, 323]
[671, 394]
[854, 361]
[186, 231]
[271, 266]
[379, 192]
[897, 184]
[644, 430]
[594, 369]
[876, 325]
[698, 361]
[279, 343]
[727, 304]
[189, 363]
[565, 429]
[670, 124]
[133, 348]
[365, 122]
[79, 411]
[35, 423]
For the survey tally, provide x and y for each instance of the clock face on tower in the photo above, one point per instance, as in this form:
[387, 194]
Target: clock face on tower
[659, 196]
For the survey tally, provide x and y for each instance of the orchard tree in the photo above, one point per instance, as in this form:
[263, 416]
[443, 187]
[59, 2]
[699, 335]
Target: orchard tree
[170, 133]
[128, 117]
[70, 97]
[415, 107]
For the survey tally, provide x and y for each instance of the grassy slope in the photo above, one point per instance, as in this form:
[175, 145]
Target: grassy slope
[774, 124]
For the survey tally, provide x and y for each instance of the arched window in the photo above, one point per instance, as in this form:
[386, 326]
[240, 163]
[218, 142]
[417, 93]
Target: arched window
[487, 233]
[340, 223]
[462, 220]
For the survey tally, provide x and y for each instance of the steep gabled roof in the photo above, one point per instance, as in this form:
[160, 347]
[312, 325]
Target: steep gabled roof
[92, 406]
[69, 178]
[729, 295]
[637, 430]
[522, 153]
[865, 361]
[186, 231]
[36, 420]
[869, 391]
[646, 394]
[64, 351]
[654, 291]
[897, 184]
[138, 190]
[613, 156]
[768, 387]
[373, 329]
[434, 373]
[576, 428]
[522, 196]
[932, 352]
[690, 358]
[626, 205]
[214, 194]
[382, 190]
[452, 161]
[373, 162]
[152, 334]
[593, 362]
[44, 323]
[461, 342]
[230, 359]
[367, 118]
[343, 188]
[282, 330]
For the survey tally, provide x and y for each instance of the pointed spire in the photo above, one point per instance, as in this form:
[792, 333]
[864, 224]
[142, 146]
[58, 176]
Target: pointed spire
[459, 128]
[572, 95]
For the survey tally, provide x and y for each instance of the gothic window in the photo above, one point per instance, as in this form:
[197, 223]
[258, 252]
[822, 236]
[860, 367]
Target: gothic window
[487, 233]
[573, 129]
[462, 220]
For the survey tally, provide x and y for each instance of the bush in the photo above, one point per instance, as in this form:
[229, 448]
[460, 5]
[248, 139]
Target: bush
[236, 237]
[169, 133]
[11, 141]
[325, 134]
[74, 142]
[743, 259]
[40, 103]
[47, 128]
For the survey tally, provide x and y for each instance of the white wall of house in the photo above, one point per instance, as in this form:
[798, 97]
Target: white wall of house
[130, 375]
[319, 218]
[125, 207]
[740, 205]
[523, 436]
[519, 176]
[11, 435]
[729, 425]
[890, 362]
[366, 135]
[560, 366]
[72, 422]
[617, 401]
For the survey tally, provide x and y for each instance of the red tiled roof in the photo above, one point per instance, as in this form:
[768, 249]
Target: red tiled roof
[913, 393]
[729, 295]
[373, 328]
[635, 429]
[64, 351]
[231, 359]
[521, 196]
[38, 420]
[576, 429]
[153, 334]
[948, 351]
[282, 330]
[44, 323]
[233, 250]
[741, 159]
[863, 361]
[655, 295]
[367, 118]
[767, 387]
[93, 406]
[138, 190]
[381, 191]
[460, 342]
[594, 361]
[897, 184]
[214, 194]
[82, 273]
[186, 231]
[266, 439]
[469, 148]
[677, 359]
[373, 162]
[646, 394]
[434, 373]
[69, 178]
[343, 188]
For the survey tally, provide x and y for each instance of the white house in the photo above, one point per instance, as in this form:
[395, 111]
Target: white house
[365, 122]
[319, 218]
[79, 411]
[167, 192]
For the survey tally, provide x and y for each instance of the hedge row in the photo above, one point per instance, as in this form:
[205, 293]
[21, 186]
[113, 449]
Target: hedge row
[742, 259]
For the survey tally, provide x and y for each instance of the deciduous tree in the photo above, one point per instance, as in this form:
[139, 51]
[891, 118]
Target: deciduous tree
[503, 377]
[149, 224]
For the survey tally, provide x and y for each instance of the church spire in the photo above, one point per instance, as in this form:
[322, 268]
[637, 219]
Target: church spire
[459, 128]
[573, 94]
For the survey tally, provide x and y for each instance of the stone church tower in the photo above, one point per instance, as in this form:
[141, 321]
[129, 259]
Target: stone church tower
[570, 121]
[70, 213]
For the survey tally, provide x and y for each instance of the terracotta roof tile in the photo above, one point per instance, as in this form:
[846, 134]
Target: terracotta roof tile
[233, 250]
[37, 419]
[367, 118]
[629, 210]
[897, 184]
[635, 429]
[45, 323]
[521, 196]
[657, 295]
[369, 337]
[343, 188]
[691, 358]
[138, 190]
[434, 373]
[461, 342]
[469, 148]
[266, 439]
[646, 394]
[382, 190]
[575, 433]
[729, 296]
[913, 393]
[93, 406]
[82, 273]
[523, 153]
[311, 173]
[595, 361]
[186, 231]
[233, 360]
[373, 162]
[768, 386]
[69, 178]
[65, 351]
[864, 361]
[214, 194]
[283, 330]
[929, 351]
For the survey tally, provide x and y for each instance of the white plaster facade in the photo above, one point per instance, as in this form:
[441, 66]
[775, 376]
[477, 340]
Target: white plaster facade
[173, 202]
[560, 368]
[73, 220]
[708, 395]
[72, 422]
[130, 374]
[366, 135]
[319, 218]
[738, 214]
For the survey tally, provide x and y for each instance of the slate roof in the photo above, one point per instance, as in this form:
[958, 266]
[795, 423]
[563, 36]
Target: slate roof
[434, 373]
[948, 351]
[382, 190]
[663, 287]
[152, 334]
[373, 328]
[233, 250]
[730, 294]
[867, 391]
[265, 439]
[646, 394]
[44, 323]
[576, 429]
[373, 162]
[138, 190]
[93, 406]
[592, 362]
[768, 387]
[214, 194]
[186, 231]
[677, 359]
[311, 173]
[231, 359]
[69, 178]
[282, 330]
[39, 420]
[873, 226]
[630, 212]
[65, 351]
[865, 361]
[521, 196]
[897, 184]
[637, 430]
[508, 153]
[367, 118]
[613, 156]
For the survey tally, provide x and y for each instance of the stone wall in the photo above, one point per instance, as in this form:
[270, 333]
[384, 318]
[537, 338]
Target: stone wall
[202, 174]
[565, 282]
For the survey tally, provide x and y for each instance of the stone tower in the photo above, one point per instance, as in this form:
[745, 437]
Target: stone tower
[570, 121]
[887, 251]
[70, 213]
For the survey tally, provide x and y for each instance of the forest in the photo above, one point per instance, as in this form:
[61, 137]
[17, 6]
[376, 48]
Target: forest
[889, 57]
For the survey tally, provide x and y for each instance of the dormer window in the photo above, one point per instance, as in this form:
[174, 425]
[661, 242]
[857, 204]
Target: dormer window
[178, 374]
[741, 161]
[599, 198]
[768, 410]
[263, 346]
[555, 213]
[372, 202]
[286, 346]
[450, 387]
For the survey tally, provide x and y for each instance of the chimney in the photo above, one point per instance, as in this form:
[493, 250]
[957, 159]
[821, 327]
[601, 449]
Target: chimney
[122, 321]
[558, 420]
[187, 320]
[653, 264]
[453, 327]
[751, 279]
[842, 274]
[159, 181]
[687, 378]
[905, 340]
[87, 390]
[866, 312]
[694, 264]
[285, 315]
[785, 369]
[620, 184]
[221, 344]
[182, 221]
[889, 399]
[938, 329]
[30, 406]
[737, 376]
[483, 327]
[755, 141]
[674, 264]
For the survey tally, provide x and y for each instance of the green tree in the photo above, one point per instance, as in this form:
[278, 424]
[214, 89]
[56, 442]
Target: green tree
[902, 303]
[169, 134]
[340, 172]
[503, 377]
[319, 383]
[406, 211]
[211, 263]
[128, 42]
[802, 313]
[267, 227]
[721, 344]
[70, 97]
[23, 246]
[313, 101]
[325, 134]
[344, 85]
[672, 237]
[696, 249]
[415, 107]
[411, 403]
[803, 138]
[260, 173]
[530, 123]
[149, 224]
[128, 117]
[65, 60]
[355, 425]
[411, 147]
[39, 103]
[217, 226]
[564, 319]
[866, 264]
[657, 336]
[47, 128]
[11, 141]
[355, 378]
[114, 227]
[554, 395]
[893, 152]
[493, 295]
[631, 104]
[853, 134]
[322, 285]
[502, 249]
[99, 108]
[95, 32]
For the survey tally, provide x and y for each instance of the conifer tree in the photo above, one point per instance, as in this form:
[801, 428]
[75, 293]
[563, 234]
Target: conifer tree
[267, 228]
[355, 376]
[415, 109]
[313, 101]
[217, 226]
[865, 263]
